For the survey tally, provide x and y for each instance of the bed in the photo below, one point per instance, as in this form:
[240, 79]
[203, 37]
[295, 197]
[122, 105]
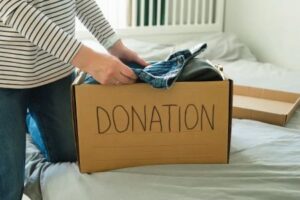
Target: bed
[264, 158]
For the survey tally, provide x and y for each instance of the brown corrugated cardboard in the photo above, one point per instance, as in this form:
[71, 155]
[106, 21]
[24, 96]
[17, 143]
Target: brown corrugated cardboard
[133, 125]
[270, 106]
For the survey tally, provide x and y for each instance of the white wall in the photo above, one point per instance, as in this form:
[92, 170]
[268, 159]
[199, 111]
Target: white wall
[271, 28]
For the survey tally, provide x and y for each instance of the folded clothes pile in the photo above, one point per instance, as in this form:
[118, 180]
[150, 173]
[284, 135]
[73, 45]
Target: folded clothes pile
[179, 66]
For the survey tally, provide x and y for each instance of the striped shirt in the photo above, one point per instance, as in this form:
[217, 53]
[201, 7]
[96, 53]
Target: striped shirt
[37, 41]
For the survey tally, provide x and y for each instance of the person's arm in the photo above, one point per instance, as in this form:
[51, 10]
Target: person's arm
[92, 17]
[109, 71]
[41, 31]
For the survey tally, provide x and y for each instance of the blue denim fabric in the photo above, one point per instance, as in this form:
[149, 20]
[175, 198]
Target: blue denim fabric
[161, 74]
[36, 136]
[164, 73]
[49, 106]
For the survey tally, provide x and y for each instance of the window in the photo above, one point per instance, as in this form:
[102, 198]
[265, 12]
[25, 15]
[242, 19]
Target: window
[115, 11]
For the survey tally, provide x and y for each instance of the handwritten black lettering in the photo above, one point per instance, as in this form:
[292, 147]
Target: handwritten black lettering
[143, 123]
[211, 120]
[186, 114]
[99, 120]
[179, 119]
[169, 106]
[115, 121]
[147, 119]
[155, 110]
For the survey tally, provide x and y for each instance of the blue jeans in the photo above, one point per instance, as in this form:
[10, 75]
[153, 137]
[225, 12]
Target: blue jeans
[158, 74]
[49, 107]
[162, 74]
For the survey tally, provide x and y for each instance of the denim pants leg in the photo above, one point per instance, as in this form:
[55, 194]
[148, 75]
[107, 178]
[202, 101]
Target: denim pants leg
[50, 107]
[13, 105]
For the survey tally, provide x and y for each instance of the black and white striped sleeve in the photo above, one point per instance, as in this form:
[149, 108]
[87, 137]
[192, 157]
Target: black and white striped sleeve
[92, 17]
[38, 29]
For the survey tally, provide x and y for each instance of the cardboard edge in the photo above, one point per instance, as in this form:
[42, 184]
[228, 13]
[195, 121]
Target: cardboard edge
[79, 79]
[293, 110]
[75, 125]
[276, 119]
[230, 92]
[276, 95]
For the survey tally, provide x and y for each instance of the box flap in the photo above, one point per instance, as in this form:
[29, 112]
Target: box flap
[264, 105]
[74, 116]
[266, 94]
[230, 108]
[79, 78]
[295, 107]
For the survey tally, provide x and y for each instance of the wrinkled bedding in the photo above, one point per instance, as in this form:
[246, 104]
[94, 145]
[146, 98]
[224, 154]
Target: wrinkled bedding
[265, 159]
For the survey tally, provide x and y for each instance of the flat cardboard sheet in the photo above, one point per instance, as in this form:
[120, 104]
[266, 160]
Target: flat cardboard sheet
[125, 126]
[264, 105]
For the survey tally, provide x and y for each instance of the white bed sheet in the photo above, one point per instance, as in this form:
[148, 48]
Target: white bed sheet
[264, 164]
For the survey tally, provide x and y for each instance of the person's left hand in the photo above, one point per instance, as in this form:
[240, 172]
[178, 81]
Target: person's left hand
[123, 53]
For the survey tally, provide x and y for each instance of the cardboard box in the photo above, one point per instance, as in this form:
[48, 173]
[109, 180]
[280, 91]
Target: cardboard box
[270, 106]
[134, 125]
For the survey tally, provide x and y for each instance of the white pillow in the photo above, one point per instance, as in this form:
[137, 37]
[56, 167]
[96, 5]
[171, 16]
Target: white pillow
[149, 50]
[221, 46]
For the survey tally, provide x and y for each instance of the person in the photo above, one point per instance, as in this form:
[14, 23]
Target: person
[38, 54]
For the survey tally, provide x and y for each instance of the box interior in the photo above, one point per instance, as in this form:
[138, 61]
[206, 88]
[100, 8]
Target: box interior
[264, 105]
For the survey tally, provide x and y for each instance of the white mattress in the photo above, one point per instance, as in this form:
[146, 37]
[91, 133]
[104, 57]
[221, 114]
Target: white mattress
[264, 164]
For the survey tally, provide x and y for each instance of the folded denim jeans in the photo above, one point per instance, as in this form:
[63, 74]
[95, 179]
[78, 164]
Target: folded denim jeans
[163, 74]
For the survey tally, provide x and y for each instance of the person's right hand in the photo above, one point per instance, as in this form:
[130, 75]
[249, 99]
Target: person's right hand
[106, 69]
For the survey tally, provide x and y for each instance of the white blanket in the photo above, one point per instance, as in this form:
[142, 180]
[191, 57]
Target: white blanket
[264, 163]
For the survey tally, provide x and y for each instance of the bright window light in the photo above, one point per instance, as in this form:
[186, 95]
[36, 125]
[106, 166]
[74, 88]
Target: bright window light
[115, 11]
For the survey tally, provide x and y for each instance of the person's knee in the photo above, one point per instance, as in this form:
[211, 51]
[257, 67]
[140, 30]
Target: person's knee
[63, 152]
[68, 154]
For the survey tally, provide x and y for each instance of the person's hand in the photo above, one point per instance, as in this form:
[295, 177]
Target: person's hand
[123, 53]
[106, 69]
